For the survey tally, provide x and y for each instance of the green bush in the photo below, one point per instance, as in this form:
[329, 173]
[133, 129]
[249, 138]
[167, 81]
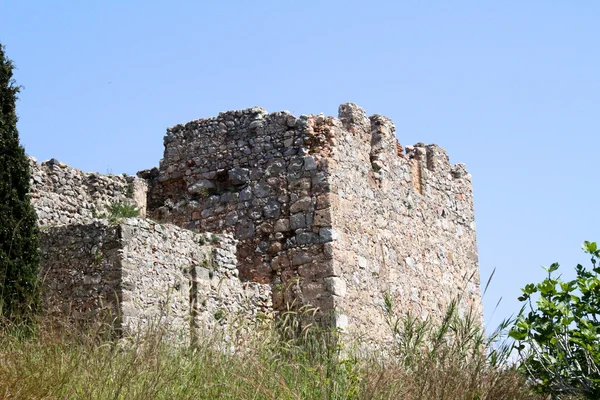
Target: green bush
[558, 334]
[19, 258]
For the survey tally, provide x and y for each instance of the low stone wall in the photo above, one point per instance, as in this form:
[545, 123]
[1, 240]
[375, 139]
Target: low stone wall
[65, 195]
[219, 297]
[143, 272]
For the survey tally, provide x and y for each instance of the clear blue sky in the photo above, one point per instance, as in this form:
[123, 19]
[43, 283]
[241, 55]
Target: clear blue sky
[511, 89]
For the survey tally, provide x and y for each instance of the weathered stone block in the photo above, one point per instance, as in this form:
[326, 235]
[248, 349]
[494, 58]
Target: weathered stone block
[326, 234]
[280, 262]
[202, 187]
[272, 209]
[302, 204]
[336, 286]
[322, 218]
[261, 189]
[309, 163]
[245, 230]
[239, 176]
[282, 225]
[306, 238]
[298, 221]
[301, 258]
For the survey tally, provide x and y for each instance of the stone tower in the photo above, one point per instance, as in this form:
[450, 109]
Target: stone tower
[330, 212]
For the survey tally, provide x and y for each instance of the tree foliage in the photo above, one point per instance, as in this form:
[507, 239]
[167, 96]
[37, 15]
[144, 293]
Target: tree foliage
[558, 334]
[19, 258]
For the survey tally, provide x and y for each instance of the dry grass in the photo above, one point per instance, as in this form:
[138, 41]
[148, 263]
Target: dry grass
[284, 360]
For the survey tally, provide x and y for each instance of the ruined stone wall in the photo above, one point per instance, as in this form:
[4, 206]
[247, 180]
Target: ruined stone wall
[330, 211]
[144, 272]
[404, 226]
[80, 271]
[260, 177]
[325, 211]
[64, 195]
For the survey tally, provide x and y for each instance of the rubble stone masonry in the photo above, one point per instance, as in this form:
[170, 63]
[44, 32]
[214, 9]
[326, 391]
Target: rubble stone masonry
[328, 212]
[64, 195]
[139, 272]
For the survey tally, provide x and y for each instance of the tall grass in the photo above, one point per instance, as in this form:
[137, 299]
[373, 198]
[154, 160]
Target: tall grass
[449, 359]
[283, 359]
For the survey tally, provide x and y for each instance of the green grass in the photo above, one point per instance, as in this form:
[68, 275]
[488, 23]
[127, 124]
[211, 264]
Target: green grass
[117, 211]
[286, 359]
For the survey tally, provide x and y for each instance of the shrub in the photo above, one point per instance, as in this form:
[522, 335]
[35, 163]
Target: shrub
[19, 258]
[557, 335]
[117, 211]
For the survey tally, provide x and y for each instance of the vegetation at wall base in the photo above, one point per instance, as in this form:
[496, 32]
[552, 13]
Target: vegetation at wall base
[558, 334]
[19, 257]
[281, 359]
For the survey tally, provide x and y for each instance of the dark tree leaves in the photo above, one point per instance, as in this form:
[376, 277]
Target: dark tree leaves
[19, 257]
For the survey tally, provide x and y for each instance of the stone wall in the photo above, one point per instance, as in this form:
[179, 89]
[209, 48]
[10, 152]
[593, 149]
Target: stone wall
[64, 195]
[258, 176]
[81, 272]
[404, 226]
[144, 272]
[325, 211]
[330, 211]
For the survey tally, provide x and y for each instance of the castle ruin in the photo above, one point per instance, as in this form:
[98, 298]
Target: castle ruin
[328, 212]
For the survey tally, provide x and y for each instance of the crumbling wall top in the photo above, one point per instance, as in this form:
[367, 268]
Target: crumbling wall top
[62, 194]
